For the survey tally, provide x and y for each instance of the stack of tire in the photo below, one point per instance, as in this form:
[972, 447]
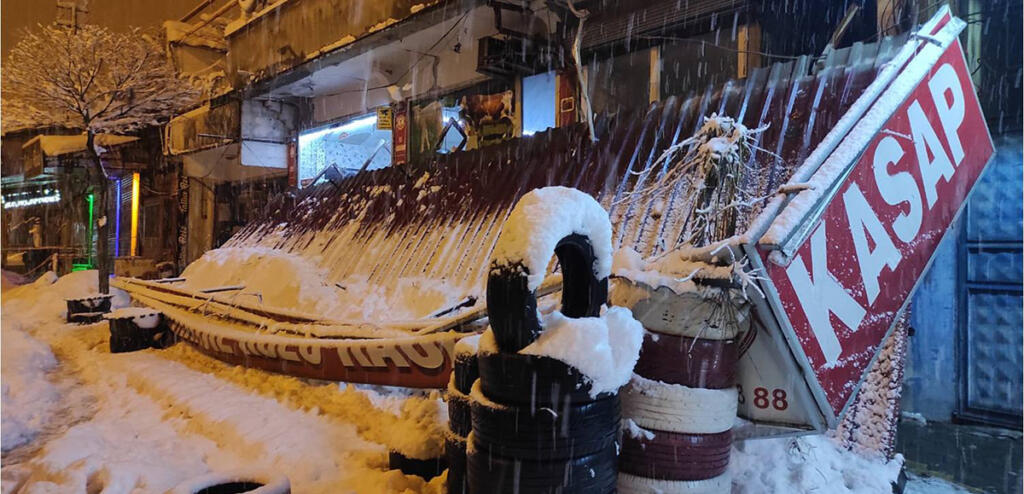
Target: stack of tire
[535, 426]
[682, 399]
[464, 374]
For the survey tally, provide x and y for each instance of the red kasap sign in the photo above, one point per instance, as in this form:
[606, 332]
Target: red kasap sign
[845, 284]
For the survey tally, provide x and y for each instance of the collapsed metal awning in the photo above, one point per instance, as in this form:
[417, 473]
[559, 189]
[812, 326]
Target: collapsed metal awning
[824, 129]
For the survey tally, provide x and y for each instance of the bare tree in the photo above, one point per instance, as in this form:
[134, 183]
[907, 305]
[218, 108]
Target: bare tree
[95, 80]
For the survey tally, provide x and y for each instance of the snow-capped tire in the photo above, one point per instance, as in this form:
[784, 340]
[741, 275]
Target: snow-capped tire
[696, 363]
[492, 474]
[632, 484]
[513, 378]
[512, 305]
[126, 336]
[675, 456]
[95, 304]
[427, 469]
[671, 407]
[543, 433]
[464, 372]
[242, 482]
[459, 412]
[691, 314]
[455, 451]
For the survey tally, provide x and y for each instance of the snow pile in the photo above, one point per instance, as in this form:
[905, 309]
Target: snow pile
[604, 349]
[28, 396]
[44, 300]
[467, 346]
[420, 430]
[808, 464]
[275, 278]
[10, 279]
[540, 219]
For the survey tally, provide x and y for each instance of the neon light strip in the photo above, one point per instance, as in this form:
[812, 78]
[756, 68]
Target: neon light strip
[117, 221]
[90, 199]
[135, 213]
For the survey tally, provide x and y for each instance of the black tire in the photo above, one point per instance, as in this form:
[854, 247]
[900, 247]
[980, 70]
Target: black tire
[164, 338]
[492, 474]
[465, 371]
[517, 379]
[459, 413]
[695, 363]
[512, 306]
[427, 469]
[542, 433]
[675, 456]
[125, 336]
[99, 304]
[455, 451]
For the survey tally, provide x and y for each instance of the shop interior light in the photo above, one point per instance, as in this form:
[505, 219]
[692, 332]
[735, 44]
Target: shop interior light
[135, 213]
[24, 202]
[356, 125]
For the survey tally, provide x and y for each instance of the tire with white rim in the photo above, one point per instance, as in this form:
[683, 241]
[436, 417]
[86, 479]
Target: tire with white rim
[632, 484]
[671, 407]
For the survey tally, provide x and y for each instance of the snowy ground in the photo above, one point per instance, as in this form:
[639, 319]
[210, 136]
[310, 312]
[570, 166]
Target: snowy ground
[77, 419]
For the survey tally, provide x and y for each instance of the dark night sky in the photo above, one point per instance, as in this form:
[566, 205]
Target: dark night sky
[117, 14]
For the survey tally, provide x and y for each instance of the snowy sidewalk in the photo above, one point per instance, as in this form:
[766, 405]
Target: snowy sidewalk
[78, 419]
[156, 418]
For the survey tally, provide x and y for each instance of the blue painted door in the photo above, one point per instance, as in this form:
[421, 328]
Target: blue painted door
[990, 292]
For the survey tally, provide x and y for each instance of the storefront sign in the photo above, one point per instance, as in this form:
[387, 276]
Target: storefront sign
[841, 291]
[384, 118]
[400, 135]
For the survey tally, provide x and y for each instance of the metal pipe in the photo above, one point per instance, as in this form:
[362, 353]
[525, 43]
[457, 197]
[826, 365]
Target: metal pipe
[219, 12]
[197, 9]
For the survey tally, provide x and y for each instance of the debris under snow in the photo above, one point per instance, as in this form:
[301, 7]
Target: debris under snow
[277, 279]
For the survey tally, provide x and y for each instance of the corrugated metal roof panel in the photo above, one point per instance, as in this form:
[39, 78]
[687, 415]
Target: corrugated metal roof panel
[440, 219]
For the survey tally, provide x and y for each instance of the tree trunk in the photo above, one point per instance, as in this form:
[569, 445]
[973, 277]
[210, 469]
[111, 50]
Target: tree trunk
[99, 183]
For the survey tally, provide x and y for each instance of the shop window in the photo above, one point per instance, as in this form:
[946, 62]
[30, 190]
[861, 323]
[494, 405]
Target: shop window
[693, 63]
[539, 102]
[348, 146]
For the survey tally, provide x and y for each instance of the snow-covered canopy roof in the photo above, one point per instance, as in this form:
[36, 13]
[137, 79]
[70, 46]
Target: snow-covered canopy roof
[440, 219]
[59, 145]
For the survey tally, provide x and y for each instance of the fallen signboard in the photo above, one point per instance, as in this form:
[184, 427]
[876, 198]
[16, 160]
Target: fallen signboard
[843, 257]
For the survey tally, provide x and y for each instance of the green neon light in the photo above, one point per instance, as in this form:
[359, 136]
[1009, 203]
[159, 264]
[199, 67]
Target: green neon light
[91, 200]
